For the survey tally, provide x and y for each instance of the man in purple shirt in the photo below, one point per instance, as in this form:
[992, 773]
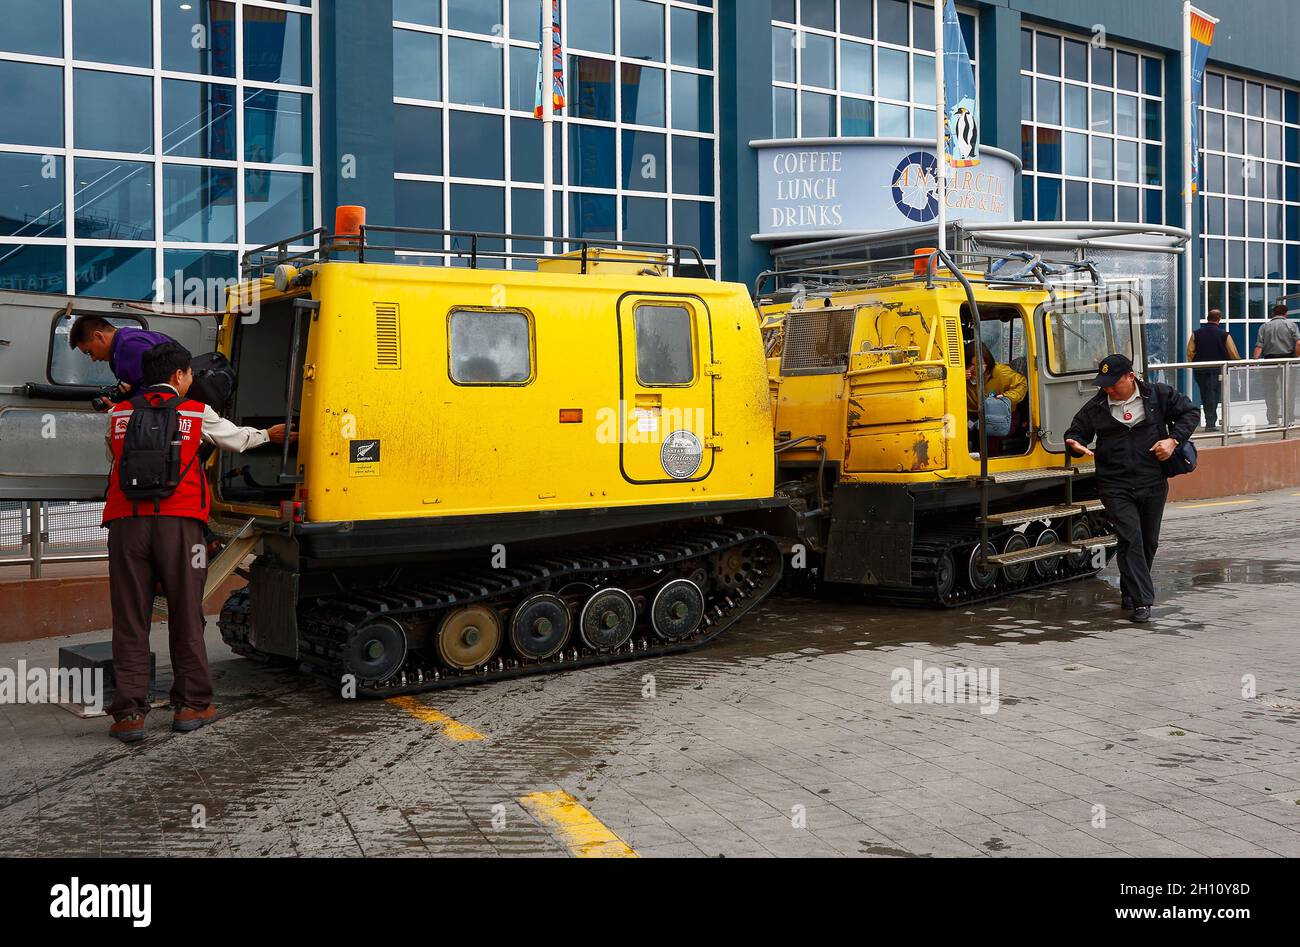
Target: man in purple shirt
[122, 347]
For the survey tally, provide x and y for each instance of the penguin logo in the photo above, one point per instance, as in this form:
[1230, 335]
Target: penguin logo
[1105, 369]
[965, 135]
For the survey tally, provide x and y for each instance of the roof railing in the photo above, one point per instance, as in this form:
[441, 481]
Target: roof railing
[920, 268]
[475, 247]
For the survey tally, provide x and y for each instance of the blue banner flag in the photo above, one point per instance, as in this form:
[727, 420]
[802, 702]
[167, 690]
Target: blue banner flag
[961, 108]
[1201, 28]
[554, 76]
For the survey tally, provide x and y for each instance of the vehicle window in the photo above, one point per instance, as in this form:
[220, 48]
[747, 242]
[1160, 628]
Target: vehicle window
[1005, 338]
[665, 351]
[1083, 333]
[490, 348]
[68, 366]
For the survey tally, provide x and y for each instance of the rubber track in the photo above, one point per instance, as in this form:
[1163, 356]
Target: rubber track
[925, 558]
[325, 625]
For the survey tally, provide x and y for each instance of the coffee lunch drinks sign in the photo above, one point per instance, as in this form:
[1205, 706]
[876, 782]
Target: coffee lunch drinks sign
[829, 187]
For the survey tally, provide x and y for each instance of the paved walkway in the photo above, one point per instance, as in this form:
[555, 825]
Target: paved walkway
[1108, 738]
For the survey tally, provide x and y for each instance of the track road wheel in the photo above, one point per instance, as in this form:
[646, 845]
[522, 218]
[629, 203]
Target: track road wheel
[608, 619]
[980, 575]
[540, 626]
[945, 575]
[468, 637]
[731, 567]
[1046, 567]
[375, 651]
[1015, 543]
[677, 610]
[1079, 532]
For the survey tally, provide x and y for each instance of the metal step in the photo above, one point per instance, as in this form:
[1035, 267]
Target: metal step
[1016, 517]
[1090, 506]
[1039, 473]
[1106, 540]
[1032, 554]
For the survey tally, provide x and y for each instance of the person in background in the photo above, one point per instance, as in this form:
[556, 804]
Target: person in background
[122, 347]
[161, 542]
[1211, 343]
[1278, 338]
[1138, 426]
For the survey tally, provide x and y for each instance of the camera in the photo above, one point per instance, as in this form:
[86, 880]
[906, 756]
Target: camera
[107, 396]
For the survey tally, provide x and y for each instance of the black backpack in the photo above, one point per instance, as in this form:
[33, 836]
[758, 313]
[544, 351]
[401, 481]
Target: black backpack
[214, 380]
[150, 465]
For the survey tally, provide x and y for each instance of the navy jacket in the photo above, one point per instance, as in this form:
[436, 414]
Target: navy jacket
[1124, 457]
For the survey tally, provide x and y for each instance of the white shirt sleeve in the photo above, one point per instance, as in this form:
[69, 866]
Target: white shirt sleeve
[229, 436]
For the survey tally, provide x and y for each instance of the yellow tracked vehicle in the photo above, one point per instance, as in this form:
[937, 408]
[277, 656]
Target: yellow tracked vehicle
[498, 472]
[882, 442]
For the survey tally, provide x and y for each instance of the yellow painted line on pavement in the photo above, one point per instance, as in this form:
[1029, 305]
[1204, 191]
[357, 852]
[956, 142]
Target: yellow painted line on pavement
[1201, 506]
[451, 729]
[582, 833]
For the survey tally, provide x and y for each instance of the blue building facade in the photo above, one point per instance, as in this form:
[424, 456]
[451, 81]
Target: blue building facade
[145, 143]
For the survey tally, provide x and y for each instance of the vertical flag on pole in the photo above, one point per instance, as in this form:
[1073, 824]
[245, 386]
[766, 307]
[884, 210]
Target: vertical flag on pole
[1201, 38]
[960, 106]
[556, 81]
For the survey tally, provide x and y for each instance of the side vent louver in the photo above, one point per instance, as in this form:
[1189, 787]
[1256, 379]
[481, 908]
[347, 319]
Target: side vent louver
[388, 336]
[954, 342]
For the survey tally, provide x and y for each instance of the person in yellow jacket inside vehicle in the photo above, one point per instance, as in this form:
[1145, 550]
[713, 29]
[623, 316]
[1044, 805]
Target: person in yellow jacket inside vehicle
[1000, 381]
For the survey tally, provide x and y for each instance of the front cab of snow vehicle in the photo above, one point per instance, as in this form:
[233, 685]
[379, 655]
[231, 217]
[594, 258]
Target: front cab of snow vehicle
[895, 481]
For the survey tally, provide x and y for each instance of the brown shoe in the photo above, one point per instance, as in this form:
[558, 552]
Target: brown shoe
[130, 729]
[187, 718]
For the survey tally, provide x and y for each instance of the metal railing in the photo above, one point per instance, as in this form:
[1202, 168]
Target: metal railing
[1256, 396]
[474, 248]
[35, 534]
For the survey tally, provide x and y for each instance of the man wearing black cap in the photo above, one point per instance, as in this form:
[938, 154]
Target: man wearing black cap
[1138, 425]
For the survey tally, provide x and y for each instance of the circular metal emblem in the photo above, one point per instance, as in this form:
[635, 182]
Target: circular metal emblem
[681, 455]
[915, 187]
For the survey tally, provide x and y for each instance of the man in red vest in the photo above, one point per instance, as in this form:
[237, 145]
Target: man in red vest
[160, 538]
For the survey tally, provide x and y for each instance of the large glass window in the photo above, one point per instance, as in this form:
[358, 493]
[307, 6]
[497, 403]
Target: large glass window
[192, 138]
[114, 31]
[31, 109]
[276, 205]
[1249, 199]
[199, 204]
[34, 27]
[31, 196]
[198, 120]
[634, 69]
[199, 37]
[277, 46]
[856, 67]
[113, 199]
[1091, 133]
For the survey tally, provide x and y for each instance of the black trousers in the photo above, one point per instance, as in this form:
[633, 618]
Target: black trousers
[1211, 385]
[143, 550]
[1136, 513]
